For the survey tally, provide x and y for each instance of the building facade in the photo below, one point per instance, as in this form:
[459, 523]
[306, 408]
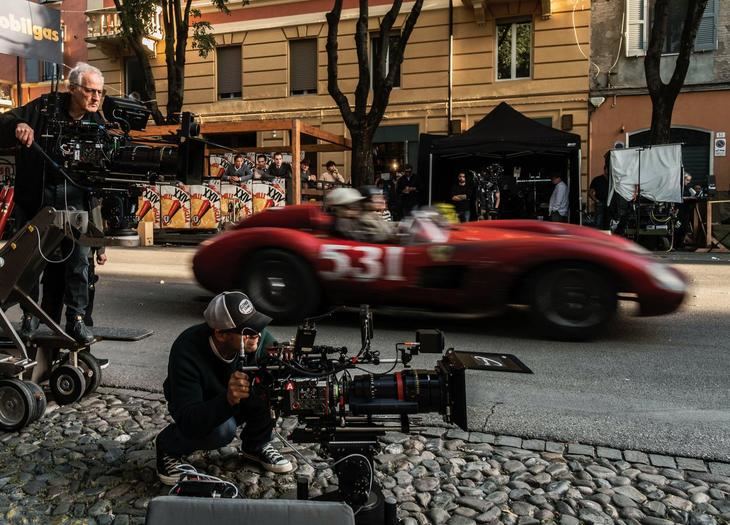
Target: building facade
[271, 63]
[621, 107]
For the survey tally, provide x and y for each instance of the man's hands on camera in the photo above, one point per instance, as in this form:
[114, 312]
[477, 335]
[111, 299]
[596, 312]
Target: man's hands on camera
[24, 134]
[238, 388]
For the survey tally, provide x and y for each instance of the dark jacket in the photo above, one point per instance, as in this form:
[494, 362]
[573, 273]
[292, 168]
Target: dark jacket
[244, 173]
[32, 172]
[283, 172]
[197, 381]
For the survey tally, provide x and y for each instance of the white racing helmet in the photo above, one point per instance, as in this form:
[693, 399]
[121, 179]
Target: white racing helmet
[343, 197]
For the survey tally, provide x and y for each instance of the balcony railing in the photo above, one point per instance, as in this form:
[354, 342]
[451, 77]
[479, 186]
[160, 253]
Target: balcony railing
[105, 27]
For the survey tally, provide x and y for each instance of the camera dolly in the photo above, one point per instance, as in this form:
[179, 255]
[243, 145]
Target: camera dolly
[49, 353]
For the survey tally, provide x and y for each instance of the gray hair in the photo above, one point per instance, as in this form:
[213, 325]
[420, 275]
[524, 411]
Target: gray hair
[81, 70]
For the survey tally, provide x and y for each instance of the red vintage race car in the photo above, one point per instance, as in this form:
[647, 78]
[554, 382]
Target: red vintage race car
[292, 266]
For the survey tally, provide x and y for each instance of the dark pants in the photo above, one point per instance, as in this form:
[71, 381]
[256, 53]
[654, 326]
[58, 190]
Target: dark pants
[54, 285]
[73, 272]
[254, 412]
[601, 216]
[556, 217]
[464, 215]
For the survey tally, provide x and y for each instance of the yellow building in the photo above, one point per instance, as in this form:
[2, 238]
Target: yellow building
[271, 63]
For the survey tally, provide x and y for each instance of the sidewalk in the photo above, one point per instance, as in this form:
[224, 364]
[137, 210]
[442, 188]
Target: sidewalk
[94, 462]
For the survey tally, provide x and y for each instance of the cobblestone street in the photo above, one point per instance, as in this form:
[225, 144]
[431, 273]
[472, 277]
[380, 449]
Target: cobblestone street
[94, 462]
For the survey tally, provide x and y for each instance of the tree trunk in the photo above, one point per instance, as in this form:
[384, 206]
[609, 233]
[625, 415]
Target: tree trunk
[134, 40]
[175, 93]
[362, 166]
[664, 95]
[149, 97]
[661, 117]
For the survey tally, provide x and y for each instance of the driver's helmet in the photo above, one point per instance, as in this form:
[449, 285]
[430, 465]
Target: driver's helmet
[343, 197]
[369, 192]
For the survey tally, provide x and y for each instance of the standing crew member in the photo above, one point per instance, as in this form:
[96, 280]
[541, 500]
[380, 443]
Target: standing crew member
[38, 185]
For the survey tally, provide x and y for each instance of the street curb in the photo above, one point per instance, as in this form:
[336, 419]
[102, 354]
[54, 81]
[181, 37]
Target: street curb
[573, 450]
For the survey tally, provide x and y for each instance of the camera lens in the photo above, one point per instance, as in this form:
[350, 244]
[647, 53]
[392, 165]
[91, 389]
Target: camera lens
[408, 391]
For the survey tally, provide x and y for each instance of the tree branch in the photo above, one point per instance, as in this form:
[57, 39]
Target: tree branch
[686, 47]
[382, 89]
[333, 22]
[361, 44]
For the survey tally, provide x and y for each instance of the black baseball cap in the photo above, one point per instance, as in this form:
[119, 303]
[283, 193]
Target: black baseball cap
[234, 311]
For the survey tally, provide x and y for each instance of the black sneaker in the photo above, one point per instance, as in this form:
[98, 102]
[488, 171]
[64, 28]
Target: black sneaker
[29, 325]
[269, 458]
[169, 468]
[76, 328]
[103, 362]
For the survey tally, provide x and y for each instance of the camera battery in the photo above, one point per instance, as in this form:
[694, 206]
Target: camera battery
[431, 341]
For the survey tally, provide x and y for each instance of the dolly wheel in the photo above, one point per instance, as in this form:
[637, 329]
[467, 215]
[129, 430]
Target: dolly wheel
[40, 399]
[89, 366]
[16, 404]
[67, 384]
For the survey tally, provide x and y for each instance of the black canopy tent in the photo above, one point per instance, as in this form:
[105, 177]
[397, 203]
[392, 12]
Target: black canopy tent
[507, 136]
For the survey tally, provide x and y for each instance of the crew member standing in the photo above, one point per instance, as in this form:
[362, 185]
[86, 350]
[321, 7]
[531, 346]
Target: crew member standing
[38, 185]
[461, 196]
[598, 193]
[407, 189]
[208, 398]
[558, 206]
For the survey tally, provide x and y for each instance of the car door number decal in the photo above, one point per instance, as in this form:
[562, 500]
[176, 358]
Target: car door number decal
[364, 263]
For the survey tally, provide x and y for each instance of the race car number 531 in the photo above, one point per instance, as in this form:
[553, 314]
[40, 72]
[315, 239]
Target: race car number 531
[365, 263]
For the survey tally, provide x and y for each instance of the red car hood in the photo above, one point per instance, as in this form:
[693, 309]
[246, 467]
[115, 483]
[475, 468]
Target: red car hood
[511, 229]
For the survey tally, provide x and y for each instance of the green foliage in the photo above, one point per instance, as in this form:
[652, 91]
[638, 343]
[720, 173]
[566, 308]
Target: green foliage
[137, 16]
[203, 40]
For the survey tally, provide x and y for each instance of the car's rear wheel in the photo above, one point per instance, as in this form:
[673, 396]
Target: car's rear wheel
[281, 285]
[573, 302]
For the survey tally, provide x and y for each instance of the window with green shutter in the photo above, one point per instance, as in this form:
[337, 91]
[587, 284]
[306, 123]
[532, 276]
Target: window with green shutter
[638, 20]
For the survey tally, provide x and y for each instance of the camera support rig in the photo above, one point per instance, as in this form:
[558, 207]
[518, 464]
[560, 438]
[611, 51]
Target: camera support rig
[346, 415]
[49, 353]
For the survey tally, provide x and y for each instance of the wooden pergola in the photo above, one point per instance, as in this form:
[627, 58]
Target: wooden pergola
[325, 141]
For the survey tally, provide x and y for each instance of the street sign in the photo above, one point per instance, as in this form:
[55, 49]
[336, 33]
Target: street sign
[720, 144]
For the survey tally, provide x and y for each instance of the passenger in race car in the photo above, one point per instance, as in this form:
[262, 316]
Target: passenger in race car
[353, 220]
[375, 201]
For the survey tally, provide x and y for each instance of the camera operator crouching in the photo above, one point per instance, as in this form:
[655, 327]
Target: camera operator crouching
[208, 398]
[38, 185]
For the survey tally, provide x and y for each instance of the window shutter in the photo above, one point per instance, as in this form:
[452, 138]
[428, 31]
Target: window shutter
[706, 33]
[635, 28]
[303, 66]
[229, 71]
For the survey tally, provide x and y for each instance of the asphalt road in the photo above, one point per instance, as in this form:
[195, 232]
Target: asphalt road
[654, 384]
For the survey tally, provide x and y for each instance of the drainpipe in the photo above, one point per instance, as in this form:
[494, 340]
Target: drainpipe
[451, 64]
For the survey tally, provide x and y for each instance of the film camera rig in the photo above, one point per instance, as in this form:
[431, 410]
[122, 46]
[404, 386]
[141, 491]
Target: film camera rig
[346, 414]
[104, 160]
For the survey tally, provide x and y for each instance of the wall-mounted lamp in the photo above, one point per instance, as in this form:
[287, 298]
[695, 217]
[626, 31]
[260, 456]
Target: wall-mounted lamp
[274, 134]
[597, 101]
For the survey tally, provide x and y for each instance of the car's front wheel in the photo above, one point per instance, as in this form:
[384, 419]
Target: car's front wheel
[280, 285]
[573, 302]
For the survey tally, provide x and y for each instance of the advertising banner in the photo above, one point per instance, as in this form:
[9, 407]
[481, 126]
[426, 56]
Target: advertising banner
[268, 194]
[175, 206]
[149, 205]
[30, 30]
[205, 206]
[235, 202]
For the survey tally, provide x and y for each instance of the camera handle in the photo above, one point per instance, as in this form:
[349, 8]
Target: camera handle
[56, 166]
